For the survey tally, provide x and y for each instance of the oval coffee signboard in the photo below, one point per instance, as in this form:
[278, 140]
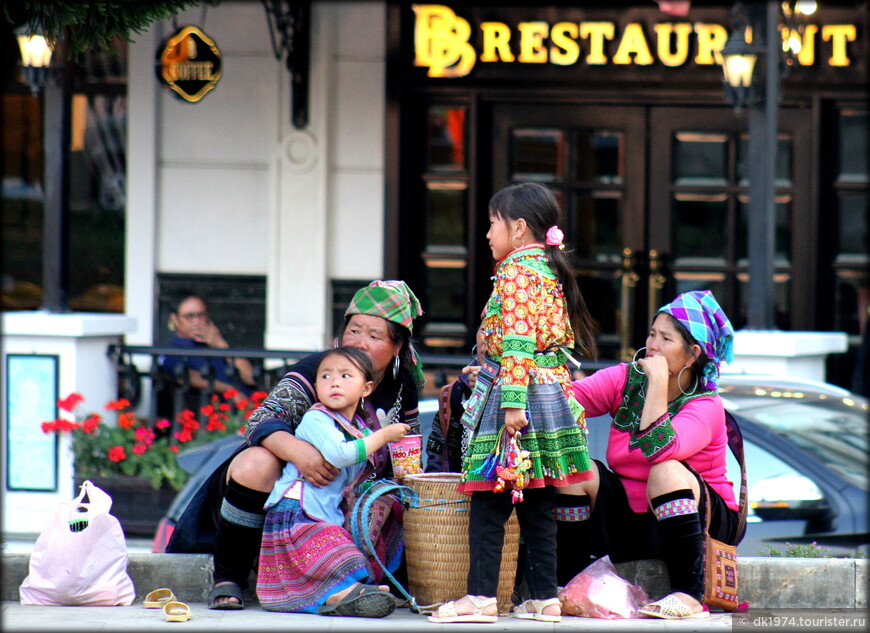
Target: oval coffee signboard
[190, 64]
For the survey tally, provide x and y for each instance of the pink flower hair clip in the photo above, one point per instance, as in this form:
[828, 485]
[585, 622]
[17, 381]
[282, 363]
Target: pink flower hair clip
[555, 237]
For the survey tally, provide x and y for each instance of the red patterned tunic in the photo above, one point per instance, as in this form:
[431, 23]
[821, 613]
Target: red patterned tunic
[526, 315]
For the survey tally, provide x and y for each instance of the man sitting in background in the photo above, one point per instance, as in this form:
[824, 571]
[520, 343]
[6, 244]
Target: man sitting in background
[189, 319]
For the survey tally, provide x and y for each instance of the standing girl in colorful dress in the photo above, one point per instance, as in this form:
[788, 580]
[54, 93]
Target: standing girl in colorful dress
[522, 399]
[308, 561]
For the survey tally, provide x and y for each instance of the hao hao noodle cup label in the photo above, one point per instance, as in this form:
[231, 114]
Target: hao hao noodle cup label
[406, 454]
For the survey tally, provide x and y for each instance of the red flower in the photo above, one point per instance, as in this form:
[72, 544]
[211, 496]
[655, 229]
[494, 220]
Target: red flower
[117, 454]
[174, 449]
[162, 423]
[139, 448]
[230, 394]
[70, 402]
[91, 423]
[118, 405]
[48, 427]
[127, 420]
[215, 424]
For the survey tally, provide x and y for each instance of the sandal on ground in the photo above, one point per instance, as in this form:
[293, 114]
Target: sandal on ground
[176, 611]
[534, 610]
[363, 601]
[672, 608]
[230, 590]
[447, 611]
[157, 598]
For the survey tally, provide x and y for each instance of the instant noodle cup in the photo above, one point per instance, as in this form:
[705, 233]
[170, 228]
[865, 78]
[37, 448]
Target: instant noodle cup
[406, 456]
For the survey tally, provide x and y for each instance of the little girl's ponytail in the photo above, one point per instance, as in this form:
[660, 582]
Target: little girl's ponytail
[537, 205]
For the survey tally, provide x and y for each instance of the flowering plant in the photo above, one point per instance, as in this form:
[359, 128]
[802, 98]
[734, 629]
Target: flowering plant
[135, 447]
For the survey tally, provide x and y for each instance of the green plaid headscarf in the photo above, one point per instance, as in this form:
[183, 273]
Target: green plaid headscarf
[390, 300]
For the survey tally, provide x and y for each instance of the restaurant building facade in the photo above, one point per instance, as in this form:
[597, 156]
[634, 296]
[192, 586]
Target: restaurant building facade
[418, 113]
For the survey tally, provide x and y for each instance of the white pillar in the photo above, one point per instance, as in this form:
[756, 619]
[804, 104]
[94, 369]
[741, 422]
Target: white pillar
[786, 354]
[76, 346]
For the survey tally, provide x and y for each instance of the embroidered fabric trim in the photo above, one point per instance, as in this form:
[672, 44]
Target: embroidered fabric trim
[676, 507]
[580, 513]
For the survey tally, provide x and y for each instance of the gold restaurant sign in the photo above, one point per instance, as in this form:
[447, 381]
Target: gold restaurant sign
[190, 64]
[443, 43]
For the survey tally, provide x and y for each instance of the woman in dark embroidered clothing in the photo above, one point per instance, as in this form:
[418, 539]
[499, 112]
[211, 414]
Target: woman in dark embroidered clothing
[666, 413]
[226, 516]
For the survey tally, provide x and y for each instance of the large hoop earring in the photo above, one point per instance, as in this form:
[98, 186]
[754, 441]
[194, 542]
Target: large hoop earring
[634, 361]
[680, 382]
[396, 365]
[522, 242]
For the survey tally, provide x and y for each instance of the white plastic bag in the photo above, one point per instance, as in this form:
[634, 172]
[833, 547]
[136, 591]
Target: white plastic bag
[81, 556]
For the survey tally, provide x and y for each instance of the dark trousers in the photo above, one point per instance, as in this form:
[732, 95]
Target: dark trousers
[489, 512]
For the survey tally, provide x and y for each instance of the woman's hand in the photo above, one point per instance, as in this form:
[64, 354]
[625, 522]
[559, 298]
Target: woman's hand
[472, 371]
[311, 464]
[515, 420]
[655, 368]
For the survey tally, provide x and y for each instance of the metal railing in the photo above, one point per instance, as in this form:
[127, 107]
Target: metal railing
[172, 393]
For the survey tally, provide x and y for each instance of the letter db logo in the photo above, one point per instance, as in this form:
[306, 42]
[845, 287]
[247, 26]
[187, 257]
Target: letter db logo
[441, 41]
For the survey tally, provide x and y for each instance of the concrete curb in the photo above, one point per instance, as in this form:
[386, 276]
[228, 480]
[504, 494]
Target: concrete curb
[768, 583]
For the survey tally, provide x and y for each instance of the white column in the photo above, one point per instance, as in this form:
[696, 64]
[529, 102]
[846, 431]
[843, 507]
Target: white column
[80, 342]
[297, 288]
[787, 354]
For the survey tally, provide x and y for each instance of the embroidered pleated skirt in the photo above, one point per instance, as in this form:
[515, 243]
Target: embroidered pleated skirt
[555, 436]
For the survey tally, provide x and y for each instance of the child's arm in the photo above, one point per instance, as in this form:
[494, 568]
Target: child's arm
[390, 433]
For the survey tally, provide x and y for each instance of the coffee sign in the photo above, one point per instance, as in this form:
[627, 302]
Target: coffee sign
[189, 64]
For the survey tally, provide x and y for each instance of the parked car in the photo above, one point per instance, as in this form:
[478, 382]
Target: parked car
[806, 448]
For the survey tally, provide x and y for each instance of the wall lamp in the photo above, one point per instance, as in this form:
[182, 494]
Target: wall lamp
[35, 58]
[739, 55]
[290, 31]
[738, 59]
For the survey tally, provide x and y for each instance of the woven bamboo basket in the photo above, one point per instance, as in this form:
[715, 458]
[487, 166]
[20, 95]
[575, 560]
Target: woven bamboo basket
[436, 542]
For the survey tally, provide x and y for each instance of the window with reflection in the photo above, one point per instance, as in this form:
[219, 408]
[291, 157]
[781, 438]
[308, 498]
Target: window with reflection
[699, 228]
[96, 161]
[445, 218]
[700, 159]
[598, 156]
[853, 147]
[446, 137]
[537, 154]
[594, 225]
[447, 290]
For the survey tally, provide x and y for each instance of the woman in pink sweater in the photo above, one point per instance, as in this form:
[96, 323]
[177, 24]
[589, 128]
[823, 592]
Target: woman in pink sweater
[666, 413]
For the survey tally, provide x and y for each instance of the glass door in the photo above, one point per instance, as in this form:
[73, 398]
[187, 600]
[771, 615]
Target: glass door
[699, 224]
[592, 157]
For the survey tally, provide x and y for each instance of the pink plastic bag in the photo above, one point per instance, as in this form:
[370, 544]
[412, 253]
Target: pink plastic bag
[81, 556]
[599, 592]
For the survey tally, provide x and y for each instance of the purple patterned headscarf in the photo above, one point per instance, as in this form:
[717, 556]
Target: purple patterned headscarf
[703, 317]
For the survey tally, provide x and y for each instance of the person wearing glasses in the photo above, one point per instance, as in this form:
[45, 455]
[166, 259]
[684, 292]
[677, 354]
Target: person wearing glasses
[193, 328]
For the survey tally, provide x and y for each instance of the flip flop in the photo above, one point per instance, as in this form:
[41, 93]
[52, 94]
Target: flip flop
[157, 598]
[447, 611]
[672, 608]
[534, 610]
[231, 590]
[177, 611]
[363, 601]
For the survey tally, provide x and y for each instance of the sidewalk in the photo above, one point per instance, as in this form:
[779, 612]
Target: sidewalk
[134, 618]
[783, 594]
